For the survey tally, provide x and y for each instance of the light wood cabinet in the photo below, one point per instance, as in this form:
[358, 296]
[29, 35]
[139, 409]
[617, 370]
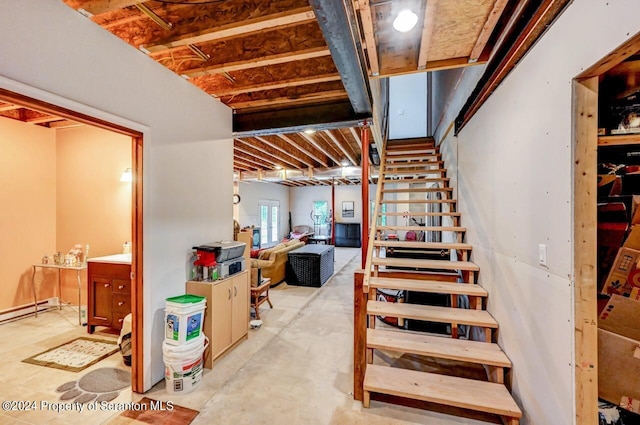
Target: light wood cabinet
[226, 319]
[109, 294]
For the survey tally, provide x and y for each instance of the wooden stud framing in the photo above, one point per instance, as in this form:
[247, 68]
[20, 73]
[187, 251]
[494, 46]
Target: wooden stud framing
[303, 150]
[487, 29]
[369, 36]
[319, 147]
[341, 147]
[283, 150]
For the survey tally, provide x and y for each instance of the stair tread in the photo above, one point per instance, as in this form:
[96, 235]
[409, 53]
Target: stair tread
[426, 264]
[437, 346]
[410, 157]
[411, 172]
[425, 228]
[418, 201]
[419, 190]
[417, 163]
[449, 390]
[431, 286]
[432, 313]
[421, 214]
[420, 180]
[424, 245]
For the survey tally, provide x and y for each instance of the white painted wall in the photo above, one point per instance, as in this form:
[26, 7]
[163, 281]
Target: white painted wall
[251, 193]
[513, 163]
[53, 53]
[408, 106]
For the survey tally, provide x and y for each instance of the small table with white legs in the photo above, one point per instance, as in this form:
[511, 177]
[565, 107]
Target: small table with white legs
[78, 270]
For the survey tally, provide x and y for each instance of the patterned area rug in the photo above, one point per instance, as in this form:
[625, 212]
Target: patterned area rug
[75, 355]
[155, 412]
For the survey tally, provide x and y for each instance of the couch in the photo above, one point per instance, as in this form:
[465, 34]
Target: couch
[273, 261]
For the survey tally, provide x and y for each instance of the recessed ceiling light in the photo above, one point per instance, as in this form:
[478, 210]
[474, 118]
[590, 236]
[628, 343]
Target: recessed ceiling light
[278, 167]
[310, 131]
[405, 21]
[345, 163]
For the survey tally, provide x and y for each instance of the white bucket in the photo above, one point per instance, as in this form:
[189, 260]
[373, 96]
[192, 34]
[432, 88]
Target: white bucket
[184, 316]
[183, 365]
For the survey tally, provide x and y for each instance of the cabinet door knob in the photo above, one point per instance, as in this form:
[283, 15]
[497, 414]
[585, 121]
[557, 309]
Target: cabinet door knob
[121, 303]
[106, 285]
[120, 320]
[120, 286]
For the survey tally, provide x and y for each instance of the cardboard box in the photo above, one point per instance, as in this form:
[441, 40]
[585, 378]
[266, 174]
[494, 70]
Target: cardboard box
[624, 275]
[635, 209]
[619, 353]
[633, 239]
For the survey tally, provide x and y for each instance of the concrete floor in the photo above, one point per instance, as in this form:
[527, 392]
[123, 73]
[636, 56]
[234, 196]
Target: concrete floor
[296, 369]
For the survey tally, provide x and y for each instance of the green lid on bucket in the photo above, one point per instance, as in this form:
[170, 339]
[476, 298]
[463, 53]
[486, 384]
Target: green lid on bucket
[186, 299]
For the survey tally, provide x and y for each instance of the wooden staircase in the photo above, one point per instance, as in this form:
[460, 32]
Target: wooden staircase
[410, 174]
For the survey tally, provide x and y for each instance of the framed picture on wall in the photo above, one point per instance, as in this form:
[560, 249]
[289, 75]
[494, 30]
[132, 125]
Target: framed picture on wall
[347, 209]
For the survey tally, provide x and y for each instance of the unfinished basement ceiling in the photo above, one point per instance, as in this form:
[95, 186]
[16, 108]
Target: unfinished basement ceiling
[284, 65]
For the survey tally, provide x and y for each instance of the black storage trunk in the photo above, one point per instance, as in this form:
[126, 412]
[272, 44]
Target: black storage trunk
[348, 235]
[310, 265]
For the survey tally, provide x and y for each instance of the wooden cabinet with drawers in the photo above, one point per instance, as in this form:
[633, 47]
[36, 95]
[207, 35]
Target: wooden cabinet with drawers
[109, 294]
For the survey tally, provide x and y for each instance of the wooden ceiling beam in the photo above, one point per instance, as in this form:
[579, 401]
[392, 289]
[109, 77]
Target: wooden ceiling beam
[9, 107]
[265, 60]
[335, 140]
[245, 27]
[283, 150]
[97, 7]
[271, 163]
[261, 104]
[241, 161]
[291, 82]
[279, 160]
[348, 143]
[487, 29]
[43, 120]
[438, 65]
[369, 36]
[427, 33]
[258, 163]
[65, 124]
[292, 143]
[356, 137]
[238, 166]
[319, 147]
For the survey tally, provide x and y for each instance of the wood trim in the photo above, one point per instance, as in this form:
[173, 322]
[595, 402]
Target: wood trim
[427, 32]
[255, 105]
[137, 261]
[487, 29]
[266, 60]
[48, 108]
[369, 36]
[622, 52]
[256, 25]
[619, 140]
[584, 252]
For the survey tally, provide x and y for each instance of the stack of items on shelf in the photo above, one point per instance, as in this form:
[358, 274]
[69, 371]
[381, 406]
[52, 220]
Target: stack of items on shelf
[184, 343]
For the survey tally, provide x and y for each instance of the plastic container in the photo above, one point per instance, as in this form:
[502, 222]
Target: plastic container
[184, 316]
[183, 365]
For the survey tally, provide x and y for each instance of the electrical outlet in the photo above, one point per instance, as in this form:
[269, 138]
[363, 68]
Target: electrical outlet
[542, 254]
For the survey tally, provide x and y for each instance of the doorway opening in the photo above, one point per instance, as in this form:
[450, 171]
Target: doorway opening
[585, 257]
[41, 107]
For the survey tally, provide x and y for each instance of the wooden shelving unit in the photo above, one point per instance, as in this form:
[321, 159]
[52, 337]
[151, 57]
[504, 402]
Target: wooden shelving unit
[619, 139]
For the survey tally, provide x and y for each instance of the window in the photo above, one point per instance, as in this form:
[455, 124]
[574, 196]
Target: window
[269, 222]
[382, 210]
[321, 217]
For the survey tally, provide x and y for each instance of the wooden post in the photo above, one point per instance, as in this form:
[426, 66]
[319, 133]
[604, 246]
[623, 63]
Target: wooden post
[333, 212]
[365, 193]
[359, 335]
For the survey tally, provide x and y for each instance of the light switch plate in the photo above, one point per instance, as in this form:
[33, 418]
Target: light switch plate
[542, 254]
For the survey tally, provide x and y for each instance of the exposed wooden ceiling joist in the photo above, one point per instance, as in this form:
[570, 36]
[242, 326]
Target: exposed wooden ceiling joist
[317, 145]
[8, 107]
[261, 104]
[249, 26]
[259, 163]
[250, 148]
[333, 138]
[291, 82]
[427, 32]
[487, 30]
[369, 36]
[297, 146]
[96, 7]
[275, 145]
[356, 137]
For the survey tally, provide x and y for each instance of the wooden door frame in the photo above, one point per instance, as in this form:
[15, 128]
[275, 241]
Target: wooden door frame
[137, 363]
[585, 221]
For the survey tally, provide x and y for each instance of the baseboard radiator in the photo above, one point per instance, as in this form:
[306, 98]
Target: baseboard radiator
[17, 312]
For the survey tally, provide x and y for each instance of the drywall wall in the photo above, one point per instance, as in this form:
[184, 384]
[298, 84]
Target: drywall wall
[514, 180]
[407, 108]
[28, 215]
[252, 193]
[52, 53]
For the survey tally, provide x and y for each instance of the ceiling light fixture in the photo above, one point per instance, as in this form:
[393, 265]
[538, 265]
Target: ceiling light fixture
[278, 167]
[309, 131]
[405, 21]
[345, 163]
[127, 176]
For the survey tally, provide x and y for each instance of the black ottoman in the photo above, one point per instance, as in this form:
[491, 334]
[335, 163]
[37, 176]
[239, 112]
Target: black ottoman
[310, 265]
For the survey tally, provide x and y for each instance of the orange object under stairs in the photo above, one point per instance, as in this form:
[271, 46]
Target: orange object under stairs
[410, 174]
